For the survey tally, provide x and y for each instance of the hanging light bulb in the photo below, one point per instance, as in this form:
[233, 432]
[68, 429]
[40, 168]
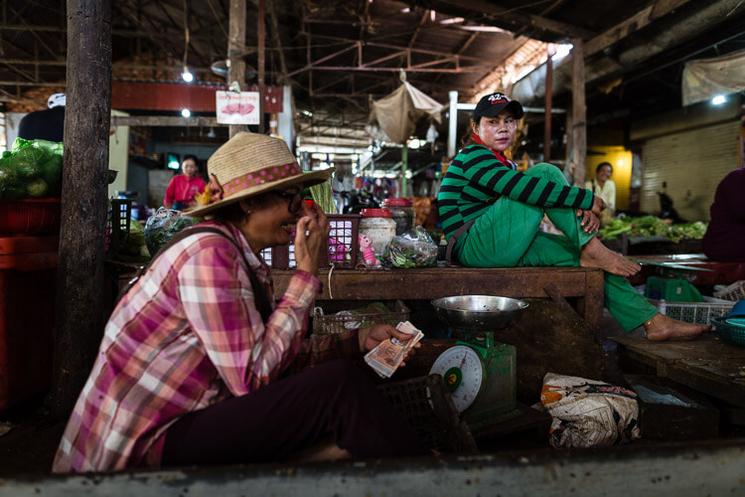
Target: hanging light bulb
[187, 75]
[185, 113]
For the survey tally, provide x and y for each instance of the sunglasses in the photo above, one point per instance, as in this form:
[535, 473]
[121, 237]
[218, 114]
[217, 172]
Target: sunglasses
[294, 200]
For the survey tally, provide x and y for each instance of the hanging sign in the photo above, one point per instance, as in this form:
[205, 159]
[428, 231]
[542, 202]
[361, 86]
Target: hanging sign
[237, 108]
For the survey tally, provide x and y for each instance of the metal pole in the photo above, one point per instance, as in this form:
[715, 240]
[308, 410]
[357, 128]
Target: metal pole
[453, 123]
[547, 113]
[404, 169]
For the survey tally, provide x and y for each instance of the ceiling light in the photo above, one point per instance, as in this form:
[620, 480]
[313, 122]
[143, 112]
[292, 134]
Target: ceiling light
[452, 20]
[186, 75]
[484, 29]
[185, 113]
[405, 10]
[718, 100]
[432, 15]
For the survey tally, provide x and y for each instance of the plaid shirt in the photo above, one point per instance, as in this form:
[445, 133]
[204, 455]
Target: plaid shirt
[185, 337]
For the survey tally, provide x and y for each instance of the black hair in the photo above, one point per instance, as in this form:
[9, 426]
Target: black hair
[602, 165]
[192, 157]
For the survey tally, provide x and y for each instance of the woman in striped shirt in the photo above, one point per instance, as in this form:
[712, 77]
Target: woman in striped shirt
[491, 213]
[191, 366]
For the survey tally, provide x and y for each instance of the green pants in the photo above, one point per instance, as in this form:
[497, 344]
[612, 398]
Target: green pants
[507, 235]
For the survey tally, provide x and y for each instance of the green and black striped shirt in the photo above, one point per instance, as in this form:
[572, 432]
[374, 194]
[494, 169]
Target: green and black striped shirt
[476, 179]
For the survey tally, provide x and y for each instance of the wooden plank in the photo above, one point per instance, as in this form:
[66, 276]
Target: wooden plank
[706, 364]
[261, 43]
[80, 283]
[631, 25]
[163, 121]
[236, 48]
[579, 112]
[510, 15]
[592, 303]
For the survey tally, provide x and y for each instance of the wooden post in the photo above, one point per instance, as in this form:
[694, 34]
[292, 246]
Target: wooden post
[236, 49]
[547, 113]
[579, 112]
[261, 42]
[80, 280]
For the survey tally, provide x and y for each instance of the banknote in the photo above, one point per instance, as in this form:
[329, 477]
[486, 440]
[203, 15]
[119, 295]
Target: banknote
[388, 355]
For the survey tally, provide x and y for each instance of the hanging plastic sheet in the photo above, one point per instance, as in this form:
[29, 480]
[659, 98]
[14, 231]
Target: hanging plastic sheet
[397, 114]
[705, 78]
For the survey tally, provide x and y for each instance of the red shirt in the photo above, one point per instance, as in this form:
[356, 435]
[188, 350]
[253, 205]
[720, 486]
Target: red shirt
[182, 189]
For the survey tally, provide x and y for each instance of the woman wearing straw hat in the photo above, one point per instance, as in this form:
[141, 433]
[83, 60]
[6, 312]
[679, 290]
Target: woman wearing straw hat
[189, 368]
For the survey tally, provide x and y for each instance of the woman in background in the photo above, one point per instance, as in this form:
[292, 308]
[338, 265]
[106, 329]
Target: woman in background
[182, 187]
[604, 187]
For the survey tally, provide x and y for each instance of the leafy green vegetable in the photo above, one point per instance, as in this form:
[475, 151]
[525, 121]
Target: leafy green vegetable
[648, 226]
[323, 196]
[37, 188]
[162, 226]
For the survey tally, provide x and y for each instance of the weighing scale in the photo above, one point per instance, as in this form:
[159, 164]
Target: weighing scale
[478, 371]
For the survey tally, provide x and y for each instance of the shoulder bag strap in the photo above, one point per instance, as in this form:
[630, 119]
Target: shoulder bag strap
[261, 299]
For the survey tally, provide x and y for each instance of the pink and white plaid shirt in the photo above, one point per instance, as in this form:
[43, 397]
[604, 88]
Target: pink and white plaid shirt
[185, 337]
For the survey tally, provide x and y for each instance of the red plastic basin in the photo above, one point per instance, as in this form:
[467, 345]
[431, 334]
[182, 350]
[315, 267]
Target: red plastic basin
[33, 216]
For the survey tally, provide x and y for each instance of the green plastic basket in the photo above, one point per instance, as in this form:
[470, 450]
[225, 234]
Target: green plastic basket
[729, 332]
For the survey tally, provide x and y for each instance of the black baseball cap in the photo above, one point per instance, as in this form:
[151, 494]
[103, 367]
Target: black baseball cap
[492, 104]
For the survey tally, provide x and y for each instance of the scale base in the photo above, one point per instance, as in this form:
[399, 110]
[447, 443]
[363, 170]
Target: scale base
[480, 420]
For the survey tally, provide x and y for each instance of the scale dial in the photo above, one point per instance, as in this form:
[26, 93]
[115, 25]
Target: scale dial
[463, 372]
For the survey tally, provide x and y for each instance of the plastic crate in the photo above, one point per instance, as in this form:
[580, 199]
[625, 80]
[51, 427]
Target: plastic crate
[730, 332]
[736, 291]
[342, 250]
[428, 409]
[695, 312]
[348, 320]
[32, 216]
[120, 215]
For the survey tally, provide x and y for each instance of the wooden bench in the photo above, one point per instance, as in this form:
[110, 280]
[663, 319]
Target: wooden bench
[585, 285]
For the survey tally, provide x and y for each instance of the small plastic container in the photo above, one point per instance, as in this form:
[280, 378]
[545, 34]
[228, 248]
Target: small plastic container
[402, 212]
[378, 225]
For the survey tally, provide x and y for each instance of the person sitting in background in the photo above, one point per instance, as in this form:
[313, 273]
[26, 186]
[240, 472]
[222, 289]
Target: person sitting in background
[725, 237]
[604, 187]
[491, 214]
[193, 365]
[47, 124]
[183, 187]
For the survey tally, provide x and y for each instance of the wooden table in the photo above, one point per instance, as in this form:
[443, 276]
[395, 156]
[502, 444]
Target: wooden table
[707, 364]
[586, 285]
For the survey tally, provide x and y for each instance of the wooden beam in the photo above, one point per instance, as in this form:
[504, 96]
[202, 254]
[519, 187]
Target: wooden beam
[164, 121]
[261, 44]
[632, 24]
[542, 23]
[80, 284]
[277, 40]
[236, 47]
[579, 112]
[547, 113]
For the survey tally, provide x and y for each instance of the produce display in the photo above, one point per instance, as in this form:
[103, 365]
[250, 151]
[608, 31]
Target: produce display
[414, 248]
[649, 226]
[32, 169]
[163, 225]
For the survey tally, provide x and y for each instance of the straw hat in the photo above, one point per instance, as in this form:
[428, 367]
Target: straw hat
[249, 164]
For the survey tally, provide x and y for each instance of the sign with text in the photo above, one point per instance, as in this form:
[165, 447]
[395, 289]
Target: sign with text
[237, 108]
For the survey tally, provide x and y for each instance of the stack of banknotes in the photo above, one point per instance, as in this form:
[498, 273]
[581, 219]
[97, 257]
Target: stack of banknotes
[389, 354]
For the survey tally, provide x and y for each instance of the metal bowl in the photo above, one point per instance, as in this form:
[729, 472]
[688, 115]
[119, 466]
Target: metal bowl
[478, 312]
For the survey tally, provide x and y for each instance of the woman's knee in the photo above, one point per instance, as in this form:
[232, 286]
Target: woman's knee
[547, 171]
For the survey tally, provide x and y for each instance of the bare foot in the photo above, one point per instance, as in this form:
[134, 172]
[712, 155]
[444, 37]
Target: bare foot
[597, 255]
[661, 328]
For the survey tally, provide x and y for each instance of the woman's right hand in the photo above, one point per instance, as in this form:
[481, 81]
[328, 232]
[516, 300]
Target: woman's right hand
[310, 236]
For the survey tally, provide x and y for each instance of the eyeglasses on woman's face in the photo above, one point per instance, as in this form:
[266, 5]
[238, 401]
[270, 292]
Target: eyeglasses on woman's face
[294, 200]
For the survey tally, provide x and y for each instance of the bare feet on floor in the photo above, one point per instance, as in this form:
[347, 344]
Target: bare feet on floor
[597, 255]
[661, 328]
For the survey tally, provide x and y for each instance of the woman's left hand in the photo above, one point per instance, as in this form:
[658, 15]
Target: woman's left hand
[371, 337]
[590, 222]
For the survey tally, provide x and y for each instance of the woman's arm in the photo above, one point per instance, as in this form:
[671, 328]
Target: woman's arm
[218, 302]
[479, 166]
[611, 200]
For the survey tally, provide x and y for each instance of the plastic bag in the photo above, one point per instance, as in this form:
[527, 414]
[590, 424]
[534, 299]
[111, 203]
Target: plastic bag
[589, 413]
[162, 226]
[32, 169]
[414, 248]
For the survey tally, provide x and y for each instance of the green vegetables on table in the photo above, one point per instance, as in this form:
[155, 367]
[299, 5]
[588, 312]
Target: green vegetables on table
[163, 225]
[414, 248]
[32, 169]
[651, 226]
